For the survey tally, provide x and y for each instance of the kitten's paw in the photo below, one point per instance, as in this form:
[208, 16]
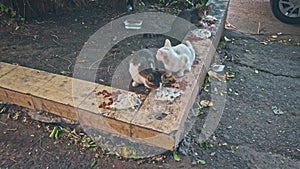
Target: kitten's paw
[134, 84]
[189, 69]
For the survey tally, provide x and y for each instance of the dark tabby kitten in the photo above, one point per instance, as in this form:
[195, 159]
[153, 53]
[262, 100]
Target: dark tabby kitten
[143, 68]
[194, 16]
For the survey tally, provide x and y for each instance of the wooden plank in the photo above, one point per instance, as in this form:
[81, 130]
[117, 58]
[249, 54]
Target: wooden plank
[40, 90]
[4, 95]
[103, 123]
[54, 107]
[5, 68]
[158, 139]
[25, 80]
[15, 97]
[109, 120]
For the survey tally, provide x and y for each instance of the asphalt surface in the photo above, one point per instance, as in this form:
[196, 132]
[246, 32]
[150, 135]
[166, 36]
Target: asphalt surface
[259, 125]
[255, 18]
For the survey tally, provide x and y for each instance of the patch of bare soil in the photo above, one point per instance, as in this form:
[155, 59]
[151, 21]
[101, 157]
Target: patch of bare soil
[25, 143]
[54, 43]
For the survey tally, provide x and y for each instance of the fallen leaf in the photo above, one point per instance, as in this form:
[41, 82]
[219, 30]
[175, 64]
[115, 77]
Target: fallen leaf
[93, 164]
[212, 154]
[97, 155]
[54, 133]
[230, 74]
[206, 103]
[175, 156]
[248, 51]
[202, 162]
[159, 158]
[224, 144]
[65, 73]
[139, 162]
[265, 43]
[219, 77]
[227, 39]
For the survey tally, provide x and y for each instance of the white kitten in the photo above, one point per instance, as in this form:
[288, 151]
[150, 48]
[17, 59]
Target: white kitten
[177, 58]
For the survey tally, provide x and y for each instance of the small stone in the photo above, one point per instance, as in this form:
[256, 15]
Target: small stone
[194, 163]
[39, 112]
[214, 138]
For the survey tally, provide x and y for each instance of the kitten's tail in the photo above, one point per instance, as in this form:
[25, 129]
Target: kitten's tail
[190, 46]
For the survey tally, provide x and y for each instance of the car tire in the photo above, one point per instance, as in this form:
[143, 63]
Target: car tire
[275, 6]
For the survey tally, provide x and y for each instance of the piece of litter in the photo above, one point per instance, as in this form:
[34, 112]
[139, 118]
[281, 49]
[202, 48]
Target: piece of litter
[202, 33]
[167, 94]
[274, 36]
[126, 101]
[229, 25]
[217, 68]
[264, 43]
[277, 111]
[133, 24]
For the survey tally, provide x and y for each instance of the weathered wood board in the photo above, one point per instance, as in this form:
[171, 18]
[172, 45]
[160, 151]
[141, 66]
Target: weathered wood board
[57, 94]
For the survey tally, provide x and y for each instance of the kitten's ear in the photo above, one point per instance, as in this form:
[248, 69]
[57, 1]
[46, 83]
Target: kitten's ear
[167, 43]
[160, 71]
[208, 8]
[150, 77]
[198, 6]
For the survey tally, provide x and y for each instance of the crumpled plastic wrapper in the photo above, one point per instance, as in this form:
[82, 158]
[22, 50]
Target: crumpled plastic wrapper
[167, 94]
[126, 101]
[202, 33]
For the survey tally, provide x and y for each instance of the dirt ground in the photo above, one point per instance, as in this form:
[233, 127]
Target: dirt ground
[249, 135]
[53, 44]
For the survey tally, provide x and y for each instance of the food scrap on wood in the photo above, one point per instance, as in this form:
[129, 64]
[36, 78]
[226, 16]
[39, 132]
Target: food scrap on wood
[107, 96]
